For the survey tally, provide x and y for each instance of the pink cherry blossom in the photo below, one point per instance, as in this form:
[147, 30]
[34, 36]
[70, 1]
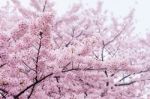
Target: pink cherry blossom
[79, 55]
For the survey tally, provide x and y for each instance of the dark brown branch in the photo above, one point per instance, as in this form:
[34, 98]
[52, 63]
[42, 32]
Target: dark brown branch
[102, 53]
[113, 39]
[44, 5]
[84, 69]
[3, 90]
[30, 86]
[36, 63]
[94, 69]
[79, 34]
[2, 65]
[125, 77]
[66, 45]
[131, 82]
[82, 31]
[86, 83]
[116, 36]
[3, 93]
[85, 93]
[102, 57]
[31, 92]
[36, 71]
[27, 65]
[57, 79]
[65, 67]
[38, 54]
[134, 74]
[73, 69]
[125, 84]
[72, 35]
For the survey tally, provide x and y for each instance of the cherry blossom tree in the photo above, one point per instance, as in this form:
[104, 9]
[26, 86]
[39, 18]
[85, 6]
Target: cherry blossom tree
[84, 54]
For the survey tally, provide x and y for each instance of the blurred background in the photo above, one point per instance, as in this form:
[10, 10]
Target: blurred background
[117, 8]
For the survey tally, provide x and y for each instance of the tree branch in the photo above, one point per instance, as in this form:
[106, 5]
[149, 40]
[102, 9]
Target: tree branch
[102, 52]
[134, 74]
[3, 93]
[3, 90]
[44, 5]
[125, 84]
[38, 54]
[30, 86]
[84, 69]
[129, 83]
[2, 65]
[28, 66]
[31, 92]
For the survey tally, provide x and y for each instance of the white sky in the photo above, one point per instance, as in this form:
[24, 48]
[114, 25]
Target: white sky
[117, 7]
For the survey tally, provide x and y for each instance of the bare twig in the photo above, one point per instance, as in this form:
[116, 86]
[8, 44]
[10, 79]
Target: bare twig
[27, 65]
[134, 74]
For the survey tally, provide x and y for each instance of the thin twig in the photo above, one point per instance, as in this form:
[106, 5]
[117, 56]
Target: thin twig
[27, 65]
